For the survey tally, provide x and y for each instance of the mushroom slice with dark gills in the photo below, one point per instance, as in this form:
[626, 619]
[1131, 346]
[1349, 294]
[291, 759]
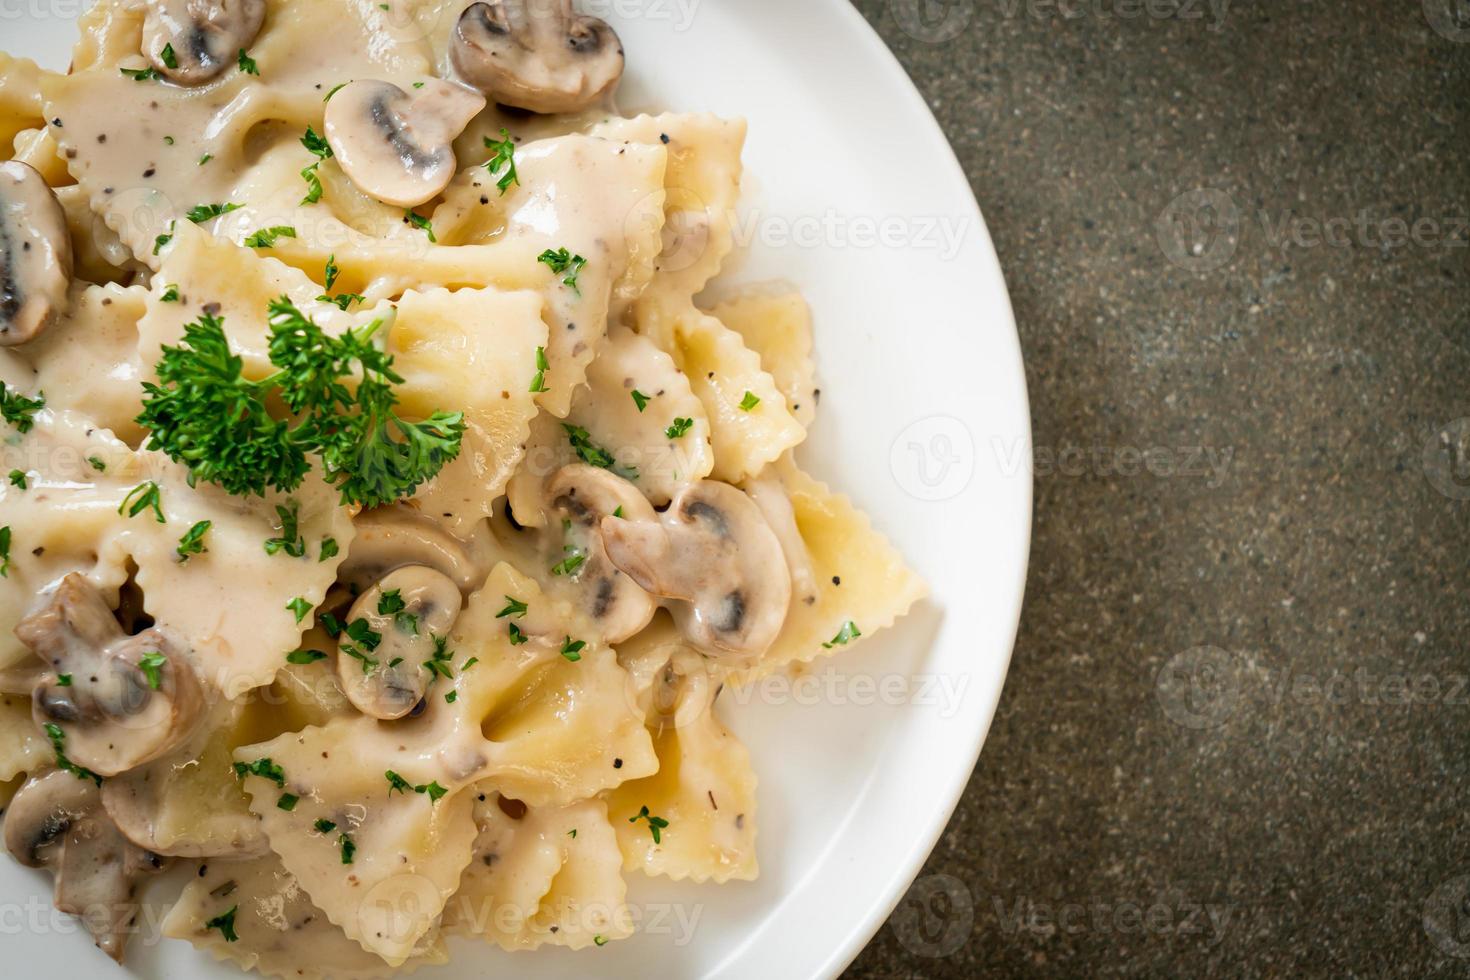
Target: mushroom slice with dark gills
[119, 701]
[392, 537]
[35, 254]
[539, 55]
[395, 146]
[713, 553]
[579, 497]
[193, 41]
[393, 629]
[57, 822]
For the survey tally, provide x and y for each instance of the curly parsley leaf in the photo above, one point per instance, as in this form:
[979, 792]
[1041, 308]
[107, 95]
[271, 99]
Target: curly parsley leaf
[504, 158]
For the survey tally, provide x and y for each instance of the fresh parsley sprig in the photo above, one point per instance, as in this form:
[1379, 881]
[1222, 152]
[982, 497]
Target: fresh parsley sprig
[205, 414]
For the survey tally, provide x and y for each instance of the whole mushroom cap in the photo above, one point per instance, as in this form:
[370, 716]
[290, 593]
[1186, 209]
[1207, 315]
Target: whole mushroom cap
[539, 55]
[191, 42]
[396, 146]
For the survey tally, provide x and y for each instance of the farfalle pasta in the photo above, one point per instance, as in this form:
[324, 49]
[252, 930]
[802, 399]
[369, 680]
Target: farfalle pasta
[384, 513]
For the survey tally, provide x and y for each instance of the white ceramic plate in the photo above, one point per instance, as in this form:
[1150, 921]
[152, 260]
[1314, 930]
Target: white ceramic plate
[854, 195]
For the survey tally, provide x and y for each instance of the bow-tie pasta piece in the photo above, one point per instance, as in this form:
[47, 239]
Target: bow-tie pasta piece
[191, 803]
[378, 854]
[702, 187]
[777, 325]
[474, 349]
[554, 709]
[20, 99]
[694, 818]
[858, 582]
[542, 875]
[87, 360]
[255, 914]
[637, 418]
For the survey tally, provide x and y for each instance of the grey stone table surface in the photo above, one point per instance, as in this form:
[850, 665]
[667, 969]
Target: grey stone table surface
[1234, 737]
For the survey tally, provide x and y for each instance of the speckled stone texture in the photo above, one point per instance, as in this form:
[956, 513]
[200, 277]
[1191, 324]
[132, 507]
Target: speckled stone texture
[1234, 737]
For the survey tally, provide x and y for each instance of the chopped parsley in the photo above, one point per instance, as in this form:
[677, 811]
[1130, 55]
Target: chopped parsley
[847, 634]
[749, 401]
[538, 383]
[516, 636]
[225, 924]
[266, 237]
[192, 543]
[680, 427]
[313, 183]
[97, 464]
[331, 271]
[287, 802]
[316, 144]
[584, 447]
[19, 410]
[420, 222]
[140, 74]
[201, 213]
[335, 89]
[397, 782]
[5, 551]
[469, 663]
[433, 790]
[169, 140]
[330, 549]
[572, 649]
[63, 680]
[151, 664]
[599, 940]
[264, 768]
[639, 399]
[247, 64]
[569, 564]
[164, 239]
[324, 826]
[348, 848]
[205, 414]
[290, 540]
[205, 159]
[504, 157]
[58, 743]
[305, 656]
[368, 663]
[656, 825]
[147, 495]
[515, 608]
[618, 512]
[299, 607]
[167, 56]
[451, 697]
[18, 478]
[562, 261]
[170, 295]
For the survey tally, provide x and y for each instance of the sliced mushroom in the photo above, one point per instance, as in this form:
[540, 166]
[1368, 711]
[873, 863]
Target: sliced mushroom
[385, 677]
[189, 803]
[391, 537]
[119, 700]
[57, 821]
[35, 254]
[192, 41]
[714, 554]
[770, 495]
[539, 55]
[581, 496]
[397, 147]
